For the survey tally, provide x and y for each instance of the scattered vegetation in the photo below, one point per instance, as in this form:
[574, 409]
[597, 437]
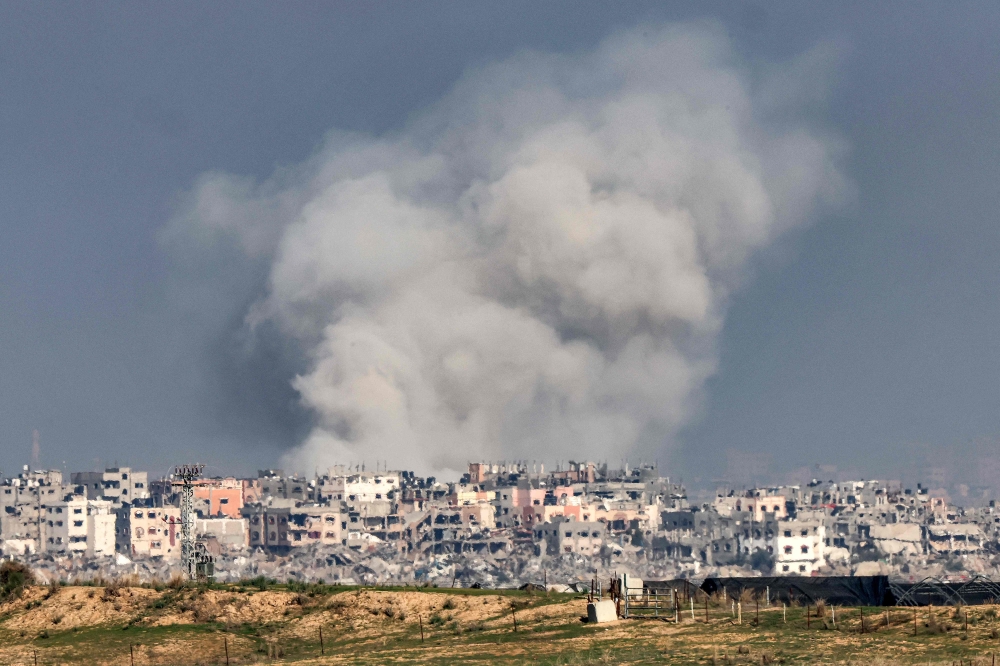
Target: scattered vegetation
[14, 578]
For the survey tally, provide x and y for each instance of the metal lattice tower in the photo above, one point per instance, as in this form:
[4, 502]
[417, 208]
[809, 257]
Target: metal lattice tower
[184, 478]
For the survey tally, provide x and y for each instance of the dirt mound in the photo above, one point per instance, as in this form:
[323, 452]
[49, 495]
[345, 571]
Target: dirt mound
[68, 607]
[228, 607]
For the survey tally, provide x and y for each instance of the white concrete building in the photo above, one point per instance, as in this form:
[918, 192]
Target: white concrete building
[78, 525]
[231, 533]
[799, 547]
[364, 487]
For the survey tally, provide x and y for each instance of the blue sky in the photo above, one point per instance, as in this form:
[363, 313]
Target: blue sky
[864, 337]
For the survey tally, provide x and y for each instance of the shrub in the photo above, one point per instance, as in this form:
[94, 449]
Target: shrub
[448, 604]
[14, 577]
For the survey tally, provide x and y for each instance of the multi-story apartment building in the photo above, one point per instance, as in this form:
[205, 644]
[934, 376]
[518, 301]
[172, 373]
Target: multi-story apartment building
[76, 525]
[22, 503]
[118, 484]
[284, 524]
[798, 547]
[146, 530]
[571, 536]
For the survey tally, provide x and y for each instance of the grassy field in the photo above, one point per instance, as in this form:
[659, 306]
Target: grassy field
[125, 625]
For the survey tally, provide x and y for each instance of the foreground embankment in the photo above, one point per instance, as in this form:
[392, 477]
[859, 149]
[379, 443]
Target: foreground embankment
[119, 623]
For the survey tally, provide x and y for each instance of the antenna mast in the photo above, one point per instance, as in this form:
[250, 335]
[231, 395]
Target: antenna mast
[184, 478]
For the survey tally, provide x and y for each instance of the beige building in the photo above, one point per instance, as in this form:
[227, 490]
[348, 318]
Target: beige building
[570, 536]
[149, 531]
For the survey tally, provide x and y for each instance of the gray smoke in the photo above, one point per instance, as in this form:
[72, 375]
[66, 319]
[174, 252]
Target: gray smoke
[537, 266]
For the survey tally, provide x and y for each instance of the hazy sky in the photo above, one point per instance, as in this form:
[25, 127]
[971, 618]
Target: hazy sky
[860, 339]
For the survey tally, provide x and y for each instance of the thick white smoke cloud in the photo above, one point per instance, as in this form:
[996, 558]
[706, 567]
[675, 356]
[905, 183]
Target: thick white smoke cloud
[538, 266]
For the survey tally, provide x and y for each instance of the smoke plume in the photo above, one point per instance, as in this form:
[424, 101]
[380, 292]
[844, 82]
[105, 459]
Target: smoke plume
[538, 265]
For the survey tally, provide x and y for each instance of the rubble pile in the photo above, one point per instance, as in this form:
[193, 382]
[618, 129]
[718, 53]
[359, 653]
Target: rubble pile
[377, 567]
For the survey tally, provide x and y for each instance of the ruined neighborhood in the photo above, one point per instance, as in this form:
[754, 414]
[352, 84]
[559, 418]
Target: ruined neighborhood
[506, 524]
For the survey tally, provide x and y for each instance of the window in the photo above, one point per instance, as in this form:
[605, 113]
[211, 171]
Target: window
[77, 523]
[805, 549]
[788, 550]
[569, 534]
[784, 567]
[802, 567]
[224, 500]
[805, 532]
[596, 534]
[776, 508]
[155, 544]
[77, 511]
[788, 533]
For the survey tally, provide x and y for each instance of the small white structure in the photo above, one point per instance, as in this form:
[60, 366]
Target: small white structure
[601, 611]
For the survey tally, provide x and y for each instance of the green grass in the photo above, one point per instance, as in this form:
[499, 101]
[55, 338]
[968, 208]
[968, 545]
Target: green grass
[547, 635]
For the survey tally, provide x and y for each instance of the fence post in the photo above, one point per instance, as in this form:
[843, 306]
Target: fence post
[914, 620]
[514, 616]
[807, 616]
[322, 648]
[131, 657]
[421, 620]
[784, 617]
[862, 608]
[706, 608]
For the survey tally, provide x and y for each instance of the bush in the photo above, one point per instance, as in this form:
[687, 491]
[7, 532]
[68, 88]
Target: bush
[14, 577]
